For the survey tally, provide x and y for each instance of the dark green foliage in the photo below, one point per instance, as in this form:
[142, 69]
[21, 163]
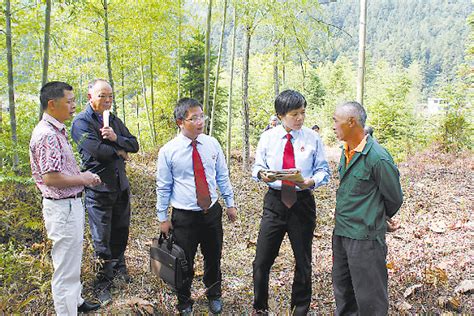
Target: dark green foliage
[24, 273]
[315, 93]
[20, 211]
[432, 33]
[455, 132]
[192, 62]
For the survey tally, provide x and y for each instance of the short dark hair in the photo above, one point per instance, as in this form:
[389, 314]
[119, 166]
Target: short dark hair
[315, 127]
[289, 100]
[51, 91]
[182, 107]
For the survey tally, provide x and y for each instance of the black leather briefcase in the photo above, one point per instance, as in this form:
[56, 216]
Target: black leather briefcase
[168, 261]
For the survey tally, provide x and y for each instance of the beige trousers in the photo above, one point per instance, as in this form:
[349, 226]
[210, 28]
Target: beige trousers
[64, 221]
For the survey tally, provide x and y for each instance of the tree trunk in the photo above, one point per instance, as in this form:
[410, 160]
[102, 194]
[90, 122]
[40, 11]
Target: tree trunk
[138, 121]
[152, 93]
[142, 74]
[303, 71]
[361, 67]
[283, 68]
[207, 62]
[107, 51]
[245, 101]
[123, 89]
[11, 95]
[47, 31]
[1, 133]
[179, 49]
[276, 79]
[229, 103]
[216, 83]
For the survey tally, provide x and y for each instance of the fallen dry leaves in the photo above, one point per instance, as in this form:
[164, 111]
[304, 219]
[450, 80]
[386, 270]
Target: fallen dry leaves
[429, 259]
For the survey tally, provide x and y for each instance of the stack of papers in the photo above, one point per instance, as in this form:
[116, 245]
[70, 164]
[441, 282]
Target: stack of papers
[293, 175]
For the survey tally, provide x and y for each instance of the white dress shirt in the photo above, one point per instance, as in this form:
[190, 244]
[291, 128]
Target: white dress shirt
[175, 184]
[308, 149]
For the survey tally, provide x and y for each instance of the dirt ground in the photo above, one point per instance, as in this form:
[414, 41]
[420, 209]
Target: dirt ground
[428, 257]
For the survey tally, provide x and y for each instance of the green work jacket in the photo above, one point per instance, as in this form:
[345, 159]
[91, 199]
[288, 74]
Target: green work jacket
[369, 192]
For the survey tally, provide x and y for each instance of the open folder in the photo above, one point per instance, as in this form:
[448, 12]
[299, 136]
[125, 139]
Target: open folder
[293, 175]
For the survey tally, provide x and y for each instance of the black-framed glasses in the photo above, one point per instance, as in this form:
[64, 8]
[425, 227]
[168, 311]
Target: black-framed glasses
[196, 118]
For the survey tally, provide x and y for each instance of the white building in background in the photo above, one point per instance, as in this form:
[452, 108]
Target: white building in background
[434, 105]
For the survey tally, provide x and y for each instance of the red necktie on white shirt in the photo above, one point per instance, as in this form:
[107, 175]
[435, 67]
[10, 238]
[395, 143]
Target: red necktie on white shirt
[288, 190]
[202, 188]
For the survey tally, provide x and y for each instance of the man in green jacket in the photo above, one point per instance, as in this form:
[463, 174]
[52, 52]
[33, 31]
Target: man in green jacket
[368, 197]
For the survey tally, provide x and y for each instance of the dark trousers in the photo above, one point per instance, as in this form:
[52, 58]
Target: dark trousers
[191, 229]
[359, 276]
[109, 220]
[299, 222]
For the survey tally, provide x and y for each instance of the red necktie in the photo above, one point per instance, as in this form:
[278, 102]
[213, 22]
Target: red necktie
[202, 188]
[288, 191]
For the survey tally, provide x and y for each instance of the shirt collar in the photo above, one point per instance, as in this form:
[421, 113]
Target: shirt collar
[359, 147]
[281, 132]
[188, 140]
[91, 111]
[48, 118]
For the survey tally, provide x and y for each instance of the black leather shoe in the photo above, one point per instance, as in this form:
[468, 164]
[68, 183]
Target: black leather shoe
[88, 307]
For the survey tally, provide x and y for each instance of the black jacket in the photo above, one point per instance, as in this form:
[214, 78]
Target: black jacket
[99, 155]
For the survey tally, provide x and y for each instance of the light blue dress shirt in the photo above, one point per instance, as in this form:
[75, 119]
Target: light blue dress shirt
[175, 184]
[309, 154]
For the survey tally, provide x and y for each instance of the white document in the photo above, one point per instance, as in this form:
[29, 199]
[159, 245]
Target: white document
[105, 117]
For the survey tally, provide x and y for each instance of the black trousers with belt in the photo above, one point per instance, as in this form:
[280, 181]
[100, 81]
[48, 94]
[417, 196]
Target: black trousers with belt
[193, 228]
[298, 222]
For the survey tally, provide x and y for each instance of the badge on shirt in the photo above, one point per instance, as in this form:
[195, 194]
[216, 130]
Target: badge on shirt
[302, 148]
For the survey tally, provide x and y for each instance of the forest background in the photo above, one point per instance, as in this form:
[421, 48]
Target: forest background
[235, 57]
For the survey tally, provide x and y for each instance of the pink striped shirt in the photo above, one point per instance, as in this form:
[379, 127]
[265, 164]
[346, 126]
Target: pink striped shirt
[50, 151]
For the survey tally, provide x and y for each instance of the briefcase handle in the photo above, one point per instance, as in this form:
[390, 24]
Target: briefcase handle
[170, 239]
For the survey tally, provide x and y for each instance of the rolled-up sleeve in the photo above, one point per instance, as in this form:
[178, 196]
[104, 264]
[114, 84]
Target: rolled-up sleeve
[164, 185]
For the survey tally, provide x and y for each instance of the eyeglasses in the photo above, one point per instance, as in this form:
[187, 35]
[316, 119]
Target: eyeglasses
[103, 96]
[195, 119]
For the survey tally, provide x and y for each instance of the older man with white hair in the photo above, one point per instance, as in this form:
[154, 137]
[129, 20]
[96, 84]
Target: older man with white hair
[369, 195]
[104, 142]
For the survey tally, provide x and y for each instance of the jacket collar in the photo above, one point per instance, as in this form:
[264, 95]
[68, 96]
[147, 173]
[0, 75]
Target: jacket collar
[342, 163]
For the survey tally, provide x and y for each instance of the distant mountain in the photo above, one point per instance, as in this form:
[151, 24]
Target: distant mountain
[432, 32]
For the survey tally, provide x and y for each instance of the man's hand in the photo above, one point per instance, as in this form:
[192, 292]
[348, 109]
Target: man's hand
[308, 182]
[232, 214]
[108, 133]
[165, 227]
[90, 179]
[122, 153]
[261, 176]
[392, 225]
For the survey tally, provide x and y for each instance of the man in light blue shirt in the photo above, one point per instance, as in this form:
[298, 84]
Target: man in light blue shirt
[190, 168]
[289, 206]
